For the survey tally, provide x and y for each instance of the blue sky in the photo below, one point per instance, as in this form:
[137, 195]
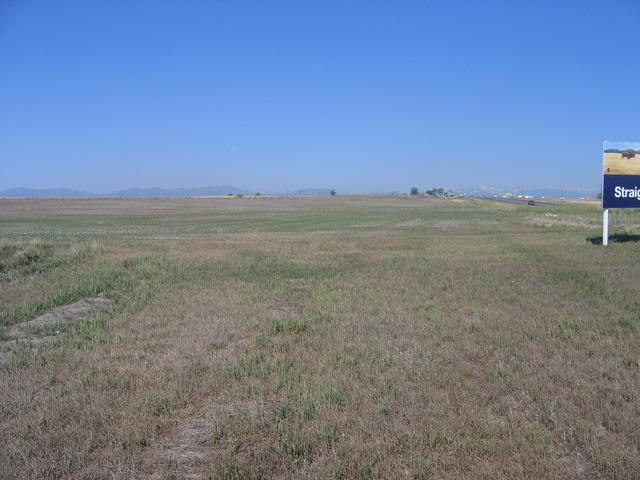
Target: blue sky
[360, 95]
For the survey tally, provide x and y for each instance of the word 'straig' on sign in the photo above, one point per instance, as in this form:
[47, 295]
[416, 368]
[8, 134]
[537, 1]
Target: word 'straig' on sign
[621, 181]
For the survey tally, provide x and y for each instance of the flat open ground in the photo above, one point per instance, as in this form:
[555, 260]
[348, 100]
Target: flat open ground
[317, 338]
[616, 164]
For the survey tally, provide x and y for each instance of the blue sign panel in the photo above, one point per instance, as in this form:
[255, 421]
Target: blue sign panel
[621, 191]
[621, 182]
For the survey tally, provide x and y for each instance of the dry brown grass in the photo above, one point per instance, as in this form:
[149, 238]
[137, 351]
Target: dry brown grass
[616, 164]
[323, 338]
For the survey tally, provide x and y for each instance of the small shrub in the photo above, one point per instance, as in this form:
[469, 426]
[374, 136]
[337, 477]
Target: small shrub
[142, 440]
[280, 416]
[217, 345]
[290, 325]
[329, 433]
[331, 394]
[162, 406]
[308, 407]
[264, 342]
[138, 440]
[297, 445]
[231, 371]
[197, 368]
[228, 469]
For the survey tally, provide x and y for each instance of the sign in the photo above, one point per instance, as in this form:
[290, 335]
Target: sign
[621, 179]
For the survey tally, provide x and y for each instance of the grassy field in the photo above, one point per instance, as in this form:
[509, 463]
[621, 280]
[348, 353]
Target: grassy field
[333, 338]
[615, 163]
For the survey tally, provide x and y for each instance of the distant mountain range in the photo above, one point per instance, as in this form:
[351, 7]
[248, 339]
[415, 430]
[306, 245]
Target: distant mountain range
[149, 192]
[312, 191]
[178, 192]
[222, 190]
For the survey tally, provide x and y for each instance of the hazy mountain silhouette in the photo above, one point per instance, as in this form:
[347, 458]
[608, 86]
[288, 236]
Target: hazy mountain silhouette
[312, 191]
[179, 192]
[231, 190]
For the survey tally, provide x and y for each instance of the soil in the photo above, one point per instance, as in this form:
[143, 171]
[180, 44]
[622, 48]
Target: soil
[44, 328]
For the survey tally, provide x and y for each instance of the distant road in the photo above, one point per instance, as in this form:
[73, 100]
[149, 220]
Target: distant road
[518, 201]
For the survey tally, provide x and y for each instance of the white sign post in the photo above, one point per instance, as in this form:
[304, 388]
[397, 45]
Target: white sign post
[605, 227]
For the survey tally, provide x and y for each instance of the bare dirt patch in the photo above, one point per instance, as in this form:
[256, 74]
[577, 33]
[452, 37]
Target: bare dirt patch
[410, 223]
[44, 328]
[198, 442]
[282, 312]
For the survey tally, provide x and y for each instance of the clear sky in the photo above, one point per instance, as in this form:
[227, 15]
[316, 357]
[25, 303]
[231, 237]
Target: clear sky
[273, 95]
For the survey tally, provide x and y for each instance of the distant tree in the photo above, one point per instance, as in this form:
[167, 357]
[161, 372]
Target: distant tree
[628, 154]
[599, 196]
[258, 194]
[333, 192]
[414, 191]
[436, 192]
